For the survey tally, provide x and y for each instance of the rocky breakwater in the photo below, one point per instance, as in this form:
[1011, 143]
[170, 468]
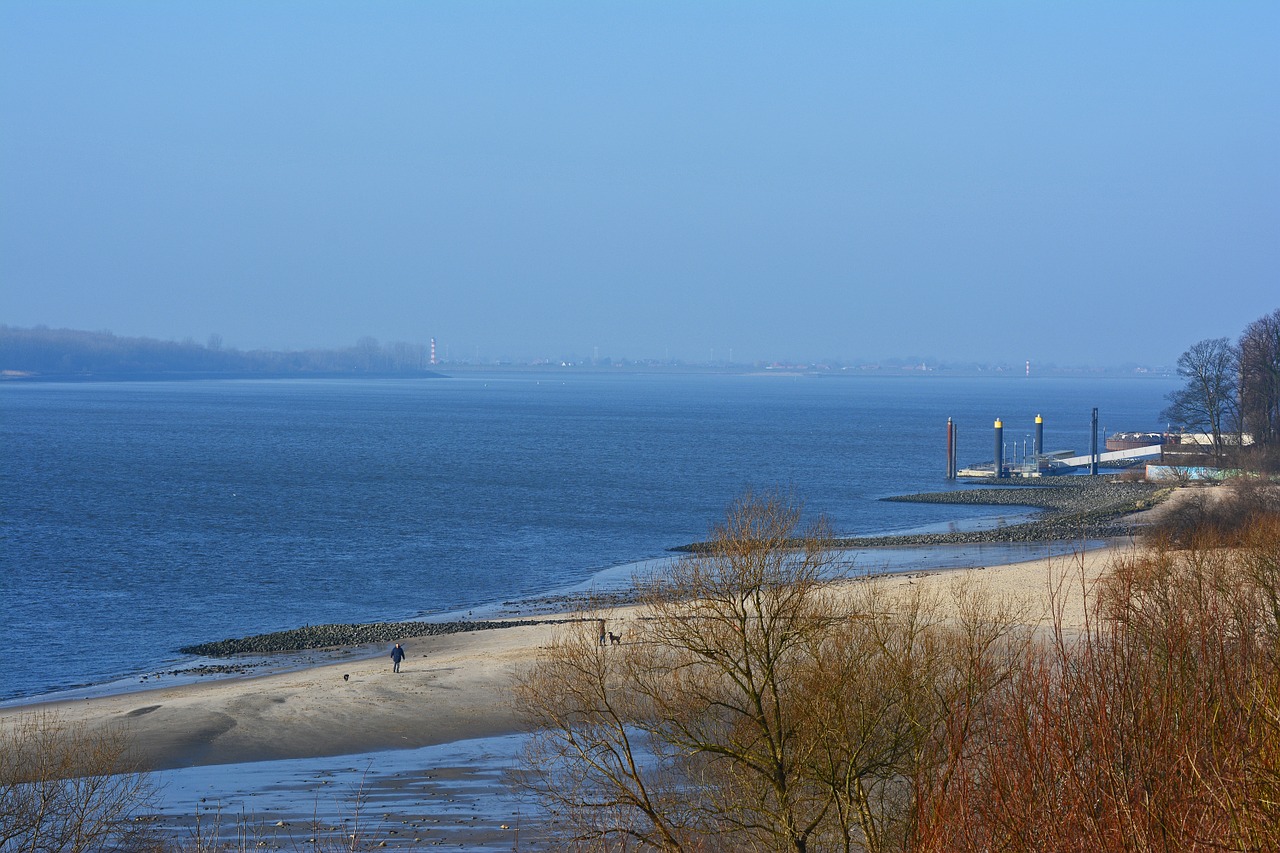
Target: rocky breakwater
[1070, 508]
[329, 636]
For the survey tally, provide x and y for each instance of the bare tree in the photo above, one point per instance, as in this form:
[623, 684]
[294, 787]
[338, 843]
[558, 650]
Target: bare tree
[591, 758]
[753, 707]
[732, 632]
[1207, 401]
[689, 733]
[64, 789]
[1260, 380]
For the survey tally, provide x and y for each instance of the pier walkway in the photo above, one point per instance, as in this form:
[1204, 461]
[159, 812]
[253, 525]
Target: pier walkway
[1112, 456]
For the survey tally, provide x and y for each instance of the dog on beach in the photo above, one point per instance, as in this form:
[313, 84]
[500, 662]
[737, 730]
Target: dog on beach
[615, 639]
[346, 676]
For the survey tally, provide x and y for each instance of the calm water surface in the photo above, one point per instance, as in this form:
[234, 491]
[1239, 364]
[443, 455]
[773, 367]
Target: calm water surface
[140, 517]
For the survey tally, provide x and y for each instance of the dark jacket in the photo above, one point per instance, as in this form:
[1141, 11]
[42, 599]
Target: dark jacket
[397, 654]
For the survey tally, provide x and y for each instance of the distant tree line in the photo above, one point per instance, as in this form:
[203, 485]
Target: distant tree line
[44, 353]
[1232, 394]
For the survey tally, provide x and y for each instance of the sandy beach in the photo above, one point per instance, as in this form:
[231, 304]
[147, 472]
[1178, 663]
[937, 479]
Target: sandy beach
[451, 687]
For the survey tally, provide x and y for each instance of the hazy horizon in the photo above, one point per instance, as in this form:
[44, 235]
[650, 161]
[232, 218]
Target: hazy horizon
[1077, 184]
[403, 352]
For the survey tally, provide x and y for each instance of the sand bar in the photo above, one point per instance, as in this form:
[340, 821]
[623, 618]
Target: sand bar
[451, 687]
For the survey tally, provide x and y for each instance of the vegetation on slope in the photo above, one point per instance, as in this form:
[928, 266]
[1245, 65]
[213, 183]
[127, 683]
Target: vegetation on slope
[43, 353]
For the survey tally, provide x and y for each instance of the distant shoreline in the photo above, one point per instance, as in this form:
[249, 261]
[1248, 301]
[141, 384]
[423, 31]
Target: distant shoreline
[43, 354]
[194, 376]
[453, 370]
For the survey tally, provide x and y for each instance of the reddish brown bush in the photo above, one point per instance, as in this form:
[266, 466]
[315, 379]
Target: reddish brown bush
[1221, 515]
[1156, 729]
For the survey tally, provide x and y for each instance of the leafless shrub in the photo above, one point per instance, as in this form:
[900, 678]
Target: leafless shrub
[1156, 729]
[755, 709]
[64, 789]
[1221, 514]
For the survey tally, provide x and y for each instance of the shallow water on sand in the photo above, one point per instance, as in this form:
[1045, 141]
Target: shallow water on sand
[455, 795]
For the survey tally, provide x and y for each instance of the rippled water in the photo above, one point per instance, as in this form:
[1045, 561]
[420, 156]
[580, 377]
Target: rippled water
[140, 517]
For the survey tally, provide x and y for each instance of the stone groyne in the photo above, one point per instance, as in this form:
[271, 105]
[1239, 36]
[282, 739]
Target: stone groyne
[1070, 508]
[325, 636]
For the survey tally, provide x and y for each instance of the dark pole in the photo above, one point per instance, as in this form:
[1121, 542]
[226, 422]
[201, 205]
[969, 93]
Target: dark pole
[1093, 446]
[999, 448]
[951, 450]
[1039, 445]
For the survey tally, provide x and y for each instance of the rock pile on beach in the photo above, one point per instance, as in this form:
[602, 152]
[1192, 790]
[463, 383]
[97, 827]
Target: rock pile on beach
[217, 669]
[572, 602]
[326, 636]
[1070, 508]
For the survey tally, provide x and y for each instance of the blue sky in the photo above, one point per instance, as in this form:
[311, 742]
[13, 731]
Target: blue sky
[1077, 183]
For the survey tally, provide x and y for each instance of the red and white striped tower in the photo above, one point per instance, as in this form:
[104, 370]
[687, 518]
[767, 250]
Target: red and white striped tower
[433, 351]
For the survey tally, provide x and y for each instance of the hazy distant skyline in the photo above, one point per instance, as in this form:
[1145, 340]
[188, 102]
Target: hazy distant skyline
[793, 181]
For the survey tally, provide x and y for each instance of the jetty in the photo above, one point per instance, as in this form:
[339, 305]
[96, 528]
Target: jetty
[1040, 463]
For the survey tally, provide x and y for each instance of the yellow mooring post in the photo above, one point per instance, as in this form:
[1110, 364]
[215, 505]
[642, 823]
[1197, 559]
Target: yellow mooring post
[999, 448]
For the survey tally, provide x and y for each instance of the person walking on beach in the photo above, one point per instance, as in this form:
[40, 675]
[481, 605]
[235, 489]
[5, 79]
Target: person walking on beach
[397, 655]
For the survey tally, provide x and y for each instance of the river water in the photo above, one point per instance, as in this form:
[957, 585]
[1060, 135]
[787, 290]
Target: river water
[139, 517]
